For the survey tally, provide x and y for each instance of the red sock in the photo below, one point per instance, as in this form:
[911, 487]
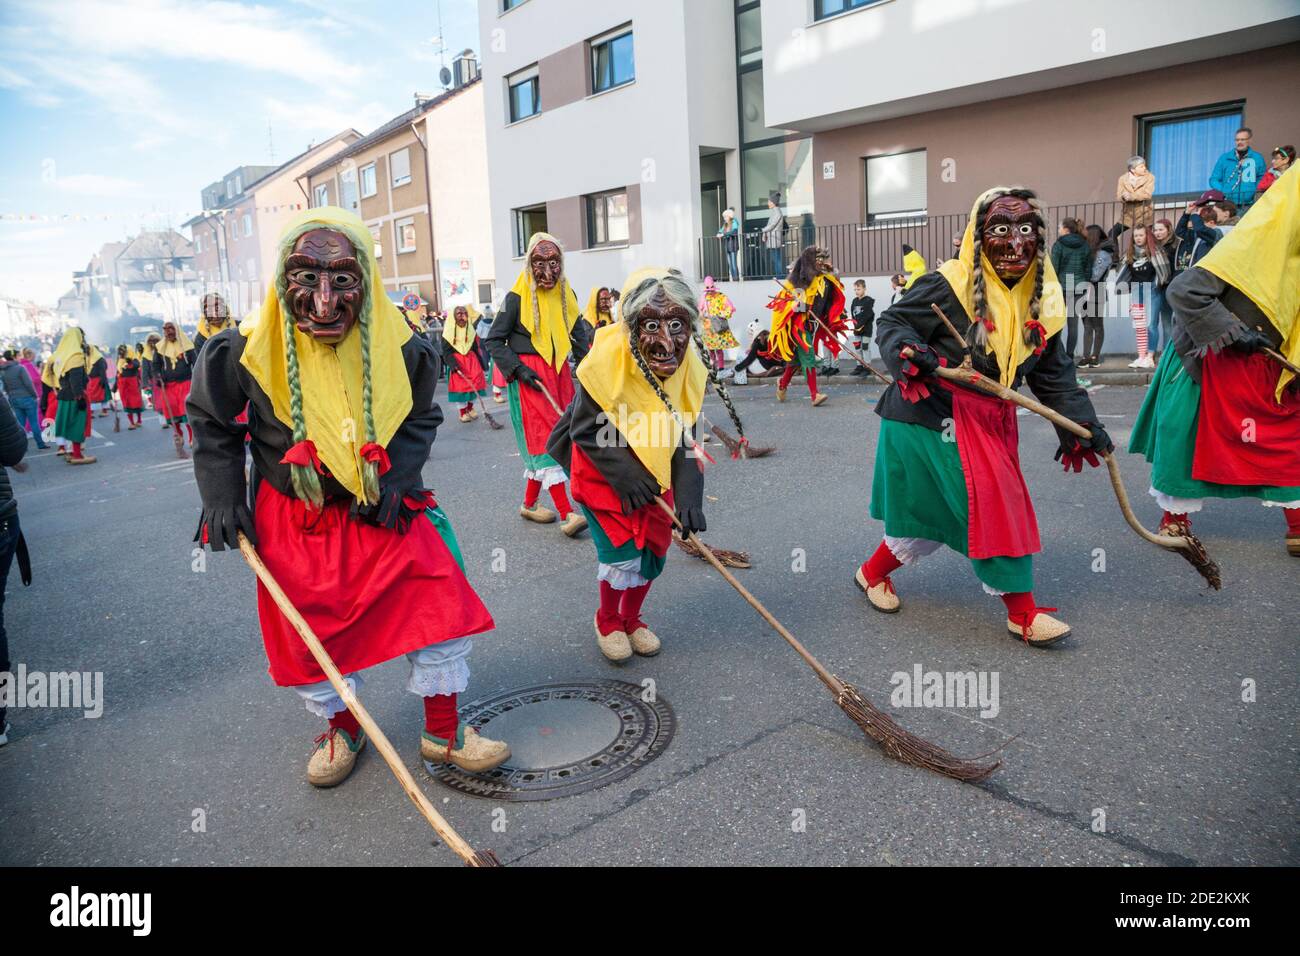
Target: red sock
[630, 607]
[344, 720]
[190, 432]
[785, 377]
[561, 500]
[812, 382]
[1171, 518]
[1292, 516]
[469, 407]
[531, 491]
[440, 716]
[1020, 607]
[76, 449]
[607, 616]
[880, 565]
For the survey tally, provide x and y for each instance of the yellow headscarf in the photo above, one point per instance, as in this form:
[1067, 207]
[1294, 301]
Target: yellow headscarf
[914, 263]
[130, 354]
[1260, 257]
[610, 375]
[47, 373]
[592, 312]
[174, 350]
[208, 329]
[1008, 308]
[70, 355]
[462, 340]
[332, 412]
[547, 314]
[150, 353]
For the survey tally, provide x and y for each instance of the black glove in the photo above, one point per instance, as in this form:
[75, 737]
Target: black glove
[529, 377]
[691, 520]
[923, 361]
[81, 404]
[637, 493]
[394, 511]
[220, 527]
[1251, 341]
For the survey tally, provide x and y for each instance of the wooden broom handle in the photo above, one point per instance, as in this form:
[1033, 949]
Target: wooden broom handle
[827, 678]
[382, 744]
[857, 356]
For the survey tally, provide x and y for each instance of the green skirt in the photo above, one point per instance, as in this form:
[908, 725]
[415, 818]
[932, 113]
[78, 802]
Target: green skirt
[70, 422]
[652, 564]
[919, 491]
[1165, 435]
[438, 518]
[805, 358]
[531, 462]
[465, 398]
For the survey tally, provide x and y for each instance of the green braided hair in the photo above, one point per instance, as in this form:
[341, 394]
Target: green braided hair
[306, 481]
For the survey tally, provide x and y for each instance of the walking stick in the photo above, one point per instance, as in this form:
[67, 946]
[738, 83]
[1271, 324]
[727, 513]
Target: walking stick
[1188, 545]
[875, 723]
[117, 419]
[382, 744]
[492, 422]
[1279, 357]
[176, 429]
[856, 355]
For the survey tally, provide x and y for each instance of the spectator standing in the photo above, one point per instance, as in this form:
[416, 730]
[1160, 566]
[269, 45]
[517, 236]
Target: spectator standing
[730, 236]
[29, 362]
[1195, 231]
[1161, 315]
[898, 285]
[1282, 159]
[773, 234]
[1070, 259]
[1238, 171]
[863, 312]
[13, 445]
[22, 394]
[1135, 189]
[1102, 258]
[1139, 274]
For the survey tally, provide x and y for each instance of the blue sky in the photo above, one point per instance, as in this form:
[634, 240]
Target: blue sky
[126, 108]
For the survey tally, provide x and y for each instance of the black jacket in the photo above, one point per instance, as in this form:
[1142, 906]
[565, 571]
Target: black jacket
[584, 421]
[863, 311]
[72, 385]
[13, 445]
[509, 338]
[909, 321]
[180, 370]
[222, 387]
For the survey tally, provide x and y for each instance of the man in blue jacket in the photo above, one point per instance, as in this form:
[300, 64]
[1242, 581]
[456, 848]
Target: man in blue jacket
[1238, 171]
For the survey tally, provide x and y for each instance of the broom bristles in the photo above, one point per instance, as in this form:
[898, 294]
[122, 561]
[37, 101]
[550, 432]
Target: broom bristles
[905, 746]
[1200, 559]
[738, 448]
[485, 858]
[730, 559]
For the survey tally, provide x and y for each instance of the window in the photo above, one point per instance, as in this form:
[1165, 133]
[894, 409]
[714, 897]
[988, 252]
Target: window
[525, 95]
[896, 186]
[399, 167]
[405, 234]
[198, 243]
[348, 190]
[785, 168]
[607, 219]
[368, 186]
[485, 293]
[611, 61]
[1181, 147]
[321, 195]
[507, 5]
[749, 36]
[377, 234]
[528, 222]
[248, 224]
[828, 8]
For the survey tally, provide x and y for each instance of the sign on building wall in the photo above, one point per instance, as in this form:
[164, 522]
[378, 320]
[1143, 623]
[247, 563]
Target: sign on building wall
[457, 278]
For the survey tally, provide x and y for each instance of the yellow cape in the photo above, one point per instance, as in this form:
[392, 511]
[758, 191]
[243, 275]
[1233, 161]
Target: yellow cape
[612, 378]
[461, 339]
[69, 354]
[208, 329]
[174, 350]
[1260, 257]
[331, 375]
[556, 309]
[914, 263]
[47, 373]
[591, 313]
[1008, 308]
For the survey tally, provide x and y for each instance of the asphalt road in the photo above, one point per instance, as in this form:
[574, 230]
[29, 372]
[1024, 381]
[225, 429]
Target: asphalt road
[1137, 721]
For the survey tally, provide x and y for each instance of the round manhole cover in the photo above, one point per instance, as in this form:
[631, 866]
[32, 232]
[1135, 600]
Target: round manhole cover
[564, 739]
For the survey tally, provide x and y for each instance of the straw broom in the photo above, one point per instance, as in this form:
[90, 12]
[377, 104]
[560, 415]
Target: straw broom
[1188, 545]
[382, 744]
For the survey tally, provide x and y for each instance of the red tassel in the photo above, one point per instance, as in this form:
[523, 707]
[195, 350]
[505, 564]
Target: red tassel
[373, 452]
[303, 453]
[1033, 325]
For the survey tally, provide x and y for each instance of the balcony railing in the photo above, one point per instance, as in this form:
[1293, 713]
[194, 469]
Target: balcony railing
[876, 248]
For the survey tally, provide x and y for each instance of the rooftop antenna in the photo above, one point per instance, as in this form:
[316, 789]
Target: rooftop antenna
[444, 75]
[270, 141]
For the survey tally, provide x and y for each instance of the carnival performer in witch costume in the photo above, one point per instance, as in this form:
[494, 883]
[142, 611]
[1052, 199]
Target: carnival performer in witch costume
[627, 437]
[948, 462]
[811, 292]
[716, 311]
[530, 341]
[215, 318]
[99, 391]
[174, 366]
[72, 367]
[342, 419]
[1222, 416]
[128, 387]
[600, 308]
[459, 347]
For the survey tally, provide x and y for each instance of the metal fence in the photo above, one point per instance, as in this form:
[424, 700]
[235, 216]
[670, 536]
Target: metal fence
[876, 248]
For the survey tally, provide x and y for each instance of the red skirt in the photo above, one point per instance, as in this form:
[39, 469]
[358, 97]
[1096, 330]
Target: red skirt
[51, 406]
[538, 416]
[173, 397]
[95, 390]
[128, 390]
[646, 526]
[1243, 436]
[369, 594]
[466, 378]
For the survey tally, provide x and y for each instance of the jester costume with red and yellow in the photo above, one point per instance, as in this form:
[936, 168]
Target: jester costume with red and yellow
[341, 418]
[947, 468]
[807, 313]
